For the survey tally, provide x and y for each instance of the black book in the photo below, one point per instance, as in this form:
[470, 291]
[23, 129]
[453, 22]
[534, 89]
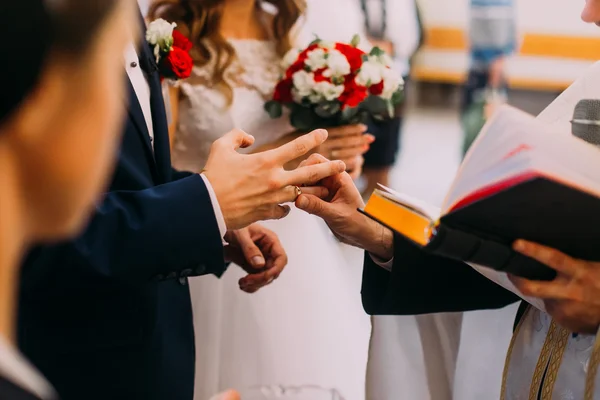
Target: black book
[521, 179]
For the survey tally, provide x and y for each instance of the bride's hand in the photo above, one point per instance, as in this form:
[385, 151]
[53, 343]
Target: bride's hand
[252, 187]
[258, 251]
[354, 167]
[341, 214]
[346, 143]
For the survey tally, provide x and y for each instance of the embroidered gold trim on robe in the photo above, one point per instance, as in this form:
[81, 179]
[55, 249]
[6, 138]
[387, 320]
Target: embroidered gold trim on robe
[558, 346]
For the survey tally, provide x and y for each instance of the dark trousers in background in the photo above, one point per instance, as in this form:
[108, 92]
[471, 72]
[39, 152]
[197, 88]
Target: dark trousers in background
[472, 107]
[385, 149]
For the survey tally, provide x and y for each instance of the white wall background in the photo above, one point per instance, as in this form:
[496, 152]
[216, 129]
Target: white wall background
[539, 16]
[143, 5]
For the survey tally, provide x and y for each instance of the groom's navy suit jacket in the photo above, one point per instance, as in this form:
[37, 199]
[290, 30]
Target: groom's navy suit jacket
[108, 315]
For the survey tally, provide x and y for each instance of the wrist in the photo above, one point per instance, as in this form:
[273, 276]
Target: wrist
[378, 240]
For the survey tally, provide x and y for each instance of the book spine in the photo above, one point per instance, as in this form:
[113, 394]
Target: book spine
[468, 247]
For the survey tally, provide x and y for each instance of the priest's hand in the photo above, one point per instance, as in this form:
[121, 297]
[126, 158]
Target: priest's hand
[228, 395]
[573, 297]
[340, 211]
[258, 251]
[253, 187]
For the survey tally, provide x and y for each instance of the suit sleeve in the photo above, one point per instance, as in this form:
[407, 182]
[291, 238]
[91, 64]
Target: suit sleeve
[177, 175]
[166, 232]
[421, 283]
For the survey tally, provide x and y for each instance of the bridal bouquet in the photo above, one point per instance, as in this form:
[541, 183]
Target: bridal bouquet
[333, 84]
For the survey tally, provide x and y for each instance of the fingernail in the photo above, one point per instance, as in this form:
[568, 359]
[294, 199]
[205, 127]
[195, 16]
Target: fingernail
[363, 127]
[258, 261]
[341, 166]
[287, 211]
[519, 245]
[323, 134]
[370, 138]
[302, 202]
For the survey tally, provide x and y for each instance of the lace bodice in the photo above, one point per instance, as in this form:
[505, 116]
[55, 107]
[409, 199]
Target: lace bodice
[203, 112]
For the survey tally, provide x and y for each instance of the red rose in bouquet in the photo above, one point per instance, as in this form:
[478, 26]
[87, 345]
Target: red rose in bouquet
[332, 84]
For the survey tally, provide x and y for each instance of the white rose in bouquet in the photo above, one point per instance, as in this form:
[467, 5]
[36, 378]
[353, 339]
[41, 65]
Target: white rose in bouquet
[391, 83]
[325, 91]
[304, 82]
[371, 73]
[337, 65]
[316, 59]
[290, 57]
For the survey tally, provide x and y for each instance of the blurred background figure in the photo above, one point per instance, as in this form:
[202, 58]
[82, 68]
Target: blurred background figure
[59, 114]
[492, 39]
[395, 27]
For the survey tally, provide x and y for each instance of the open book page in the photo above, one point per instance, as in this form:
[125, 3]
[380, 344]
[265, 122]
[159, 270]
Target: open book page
[515, 143]
[560, 112]
[424, 208]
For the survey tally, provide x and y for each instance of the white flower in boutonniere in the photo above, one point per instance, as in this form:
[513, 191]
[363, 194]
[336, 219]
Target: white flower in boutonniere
[160, 35]
[171, 49]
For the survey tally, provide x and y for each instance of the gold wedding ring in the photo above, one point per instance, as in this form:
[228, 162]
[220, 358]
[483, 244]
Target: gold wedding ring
[298, 192]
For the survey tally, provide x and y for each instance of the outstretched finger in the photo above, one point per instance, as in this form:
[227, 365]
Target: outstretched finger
[553, 258]
[235, 139]
[297, 148]
[314, 159]
[348, 130]
[544, 290]
[311, 174]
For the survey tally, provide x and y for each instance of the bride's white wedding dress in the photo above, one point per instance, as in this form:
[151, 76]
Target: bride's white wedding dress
[308, 327]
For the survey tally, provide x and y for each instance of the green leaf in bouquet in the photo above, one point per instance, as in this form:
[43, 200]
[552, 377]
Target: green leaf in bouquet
[302, 118]
[375, 105]
[398, 96]
[316, 40]
[327, 109]
[337, 80]
[274, 109]
[355, 41]
[376, 52]
[390, 109]
[349, 113]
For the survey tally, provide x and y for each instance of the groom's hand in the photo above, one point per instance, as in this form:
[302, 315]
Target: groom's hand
[253, 187]
[340, 212]
[259, 252]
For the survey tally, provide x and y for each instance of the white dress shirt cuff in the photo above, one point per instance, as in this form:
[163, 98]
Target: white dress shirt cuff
[382, 263]
[216, 208]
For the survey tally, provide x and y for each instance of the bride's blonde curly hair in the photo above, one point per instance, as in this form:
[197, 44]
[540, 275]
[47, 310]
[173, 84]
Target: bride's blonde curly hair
[199, 20]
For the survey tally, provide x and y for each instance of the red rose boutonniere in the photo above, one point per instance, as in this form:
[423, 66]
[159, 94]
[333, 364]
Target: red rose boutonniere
[171, 49]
